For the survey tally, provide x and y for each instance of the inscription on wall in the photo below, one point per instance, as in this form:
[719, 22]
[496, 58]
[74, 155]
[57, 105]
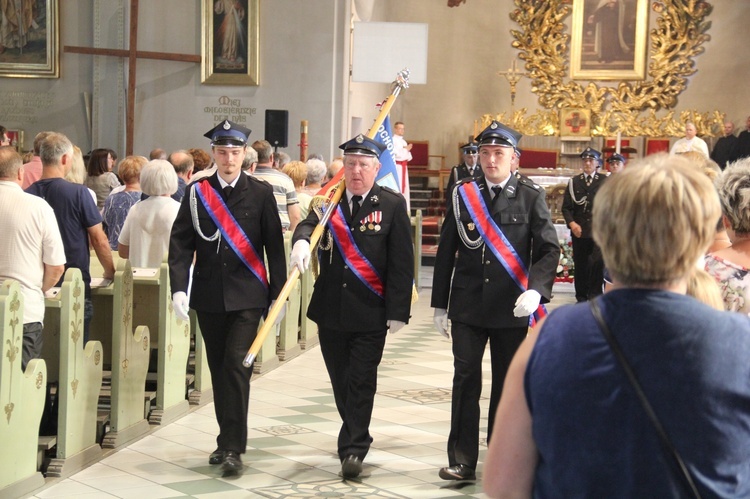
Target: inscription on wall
[24, 107]
[229, 108]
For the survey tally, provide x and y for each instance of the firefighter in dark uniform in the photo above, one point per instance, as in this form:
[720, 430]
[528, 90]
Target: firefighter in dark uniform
[231, 288]
[484, 299]
[364, 289]
[576, 208]
[469, 167]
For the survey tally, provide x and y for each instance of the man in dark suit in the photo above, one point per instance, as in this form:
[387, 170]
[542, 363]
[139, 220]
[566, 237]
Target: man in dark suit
[576, 208]
[724, 148]
[364, 289]
[469, 167]
[227, 220]
[483, 300]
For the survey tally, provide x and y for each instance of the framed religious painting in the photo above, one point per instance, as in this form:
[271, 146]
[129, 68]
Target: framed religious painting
[609, 40]
[15, 139]
[230, 42]
[29, 39]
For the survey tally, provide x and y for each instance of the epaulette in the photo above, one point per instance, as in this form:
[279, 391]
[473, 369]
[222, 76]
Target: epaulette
[389, 189]
[465, 180]
[528, 183]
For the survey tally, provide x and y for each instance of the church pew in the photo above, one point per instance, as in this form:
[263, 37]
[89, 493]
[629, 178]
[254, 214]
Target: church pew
[203, 391]
[78, 371]
[22, 398]
[308, 331]
[127, 352]
[152, 306]
[288, 345]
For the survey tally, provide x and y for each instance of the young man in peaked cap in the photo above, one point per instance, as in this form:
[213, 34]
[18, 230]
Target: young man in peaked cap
[231, 286]
[476, 290]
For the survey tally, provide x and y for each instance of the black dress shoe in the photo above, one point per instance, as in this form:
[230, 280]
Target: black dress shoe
[232, 461]
[216, 457]
[457, 472]
[351, 466]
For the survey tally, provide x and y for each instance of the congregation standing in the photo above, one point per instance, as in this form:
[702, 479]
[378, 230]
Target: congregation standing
[494, 271]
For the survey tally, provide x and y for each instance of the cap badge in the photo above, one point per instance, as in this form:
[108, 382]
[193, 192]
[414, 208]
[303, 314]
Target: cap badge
[493, 125]
[359, 139]
[226, 125]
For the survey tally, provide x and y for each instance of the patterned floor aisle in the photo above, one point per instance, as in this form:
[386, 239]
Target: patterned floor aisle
[293, 426]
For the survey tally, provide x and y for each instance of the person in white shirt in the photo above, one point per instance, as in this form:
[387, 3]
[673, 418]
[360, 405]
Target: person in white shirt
[31, 249]
[401, 149]
[144, 238]
[690, 142]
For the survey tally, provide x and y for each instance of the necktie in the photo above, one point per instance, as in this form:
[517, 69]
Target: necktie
[355, 205]
[227, 191]
[496, 193]
[588, 180]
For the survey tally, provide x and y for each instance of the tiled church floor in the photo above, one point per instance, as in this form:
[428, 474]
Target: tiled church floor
[292, 428]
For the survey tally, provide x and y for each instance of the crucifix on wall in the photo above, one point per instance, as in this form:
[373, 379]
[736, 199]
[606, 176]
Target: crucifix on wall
[513, 75]
[132, 54]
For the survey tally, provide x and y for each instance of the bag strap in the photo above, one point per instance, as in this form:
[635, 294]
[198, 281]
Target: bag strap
[615, 346]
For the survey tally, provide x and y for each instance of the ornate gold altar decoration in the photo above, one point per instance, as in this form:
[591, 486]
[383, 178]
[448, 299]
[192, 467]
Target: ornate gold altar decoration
[629, 107]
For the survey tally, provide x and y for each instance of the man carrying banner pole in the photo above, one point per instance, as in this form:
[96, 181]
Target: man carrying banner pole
[508, 252]
[364, 290]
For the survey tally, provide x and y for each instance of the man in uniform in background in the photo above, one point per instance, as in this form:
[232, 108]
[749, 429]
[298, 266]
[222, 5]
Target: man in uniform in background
[364, 289]
[724, 148]
[616, 163]
[469, 167]
[576, 208]
[480, 292]
[228, 221]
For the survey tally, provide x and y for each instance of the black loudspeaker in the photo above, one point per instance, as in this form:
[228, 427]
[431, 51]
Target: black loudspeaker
[277, 127]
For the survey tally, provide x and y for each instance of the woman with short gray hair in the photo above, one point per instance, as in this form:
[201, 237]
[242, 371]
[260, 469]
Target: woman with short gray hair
[145, 236]
[731, 266]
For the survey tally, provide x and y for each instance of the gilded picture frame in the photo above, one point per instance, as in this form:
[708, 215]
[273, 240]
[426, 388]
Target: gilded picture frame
[609, 40]
[230, 43]
[16, 139]
[30, 42]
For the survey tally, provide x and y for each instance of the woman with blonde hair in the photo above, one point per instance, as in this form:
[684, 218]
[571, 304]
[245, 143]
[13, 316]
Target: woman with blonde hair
[297, 171]
[573, 422]
[77, 172]
[118, 204]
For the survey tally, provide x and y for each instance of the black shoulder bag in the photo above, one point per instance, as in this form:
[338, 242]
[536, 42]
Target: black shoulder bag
[684, 472]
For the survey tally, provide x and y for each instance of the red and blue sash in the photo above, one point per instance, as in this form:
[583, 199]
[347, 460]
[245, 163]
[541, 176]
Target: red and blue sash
[351, 254]
[231, 230]
[497, 242]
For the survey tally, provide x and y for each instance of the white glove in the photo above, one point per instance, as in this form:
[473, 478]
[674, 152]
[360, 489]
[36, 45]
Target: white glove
[440, 318]
[394, 326]
[281, 315]
[527, 303]
[300, 256]
[181, 305]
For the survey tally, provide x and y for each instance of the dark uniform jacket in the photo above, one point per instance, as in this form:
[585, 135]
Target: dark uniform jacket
[460, 172]
[581, 213]
[221, 282]
[723, 151]
[340, 300]
[482, 293]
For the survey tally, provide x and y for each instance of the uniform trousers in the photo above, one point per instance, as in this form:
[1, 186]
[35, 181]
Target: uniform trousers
[228, 336]
[582, 249]
[352, 360]
[468, 350]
